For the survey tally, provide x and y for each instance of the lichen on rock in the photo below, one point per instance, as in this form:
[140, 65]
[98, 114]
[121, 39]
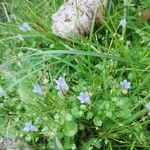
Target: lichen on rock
[75, 17]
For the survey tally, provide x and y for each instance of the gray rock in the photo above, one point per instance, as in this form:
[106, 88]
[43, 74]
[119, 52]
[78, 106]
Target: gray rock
[75, 17]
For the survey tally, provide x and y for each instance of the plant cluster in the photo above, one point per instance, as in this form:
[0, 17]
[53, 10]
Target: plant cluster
[87, 93]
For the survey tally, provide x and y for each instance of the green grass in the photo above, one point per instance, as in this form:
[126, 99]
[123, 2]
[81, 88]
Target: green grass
[113, 120]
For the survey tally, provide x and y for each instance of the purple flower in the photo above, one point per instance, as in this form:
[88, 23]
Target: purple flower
[84, 97]
[25, 27]
[123, 23]
[61, 85]
[29, 127]
[148, 105]
[1, 92]
[37, 89]
[125, 84]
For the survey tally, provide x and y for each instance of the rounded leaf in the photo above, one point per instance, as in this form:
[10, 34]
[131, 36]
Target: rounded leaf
[70, 129]
[97, 121]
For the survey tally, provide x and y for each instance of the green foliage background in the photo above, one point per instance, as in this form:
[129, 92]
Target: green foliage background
[97, 64]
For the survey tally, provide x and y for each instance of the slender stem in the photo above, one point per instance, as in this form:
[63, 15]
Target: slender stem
[125, 16]
[7, 16]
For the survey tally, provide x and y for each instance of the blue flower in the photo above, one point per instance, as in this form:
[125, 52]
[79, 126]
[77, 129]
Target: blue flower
[84, 97]
[123, 23]
[1, 92]
[25, 27]
[125, 84]
[61, 85]
[29, 127]
[37, 89]
[148, 105]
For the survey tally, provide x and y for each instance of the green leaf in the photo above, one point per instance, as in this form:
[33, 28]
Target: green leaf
[97, 121]
[58, 144]
[89, 115]
[70, 128]
[68, 142]
[2, 125]
[95, 142]
[25, 92]
[90, 144]
[28, 138]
